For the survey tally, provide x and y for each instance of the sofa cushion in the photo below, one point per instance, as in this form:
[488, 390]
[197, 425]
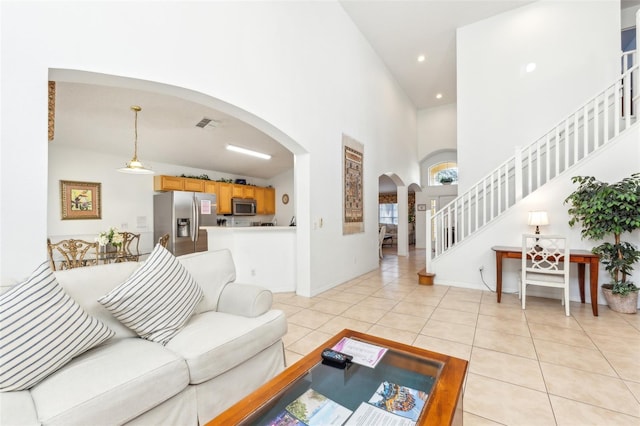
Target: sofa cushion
[42, 330]
[157, 299]
[212, 270]
[215, 342]
[117, 381]
[17, 409]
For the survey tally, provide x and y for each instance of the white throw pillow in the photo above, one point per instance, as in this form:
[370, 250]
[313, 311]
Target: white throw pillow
[157, 299]
[42, 329]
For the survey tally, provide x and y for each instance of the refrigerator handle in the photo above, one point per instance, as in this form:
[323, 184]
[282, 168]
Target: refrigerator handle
[196, 219]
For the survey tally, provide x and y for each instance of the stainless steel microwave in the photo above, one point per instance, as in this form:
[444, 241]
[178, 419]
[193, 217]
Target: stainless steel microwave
[243, 207]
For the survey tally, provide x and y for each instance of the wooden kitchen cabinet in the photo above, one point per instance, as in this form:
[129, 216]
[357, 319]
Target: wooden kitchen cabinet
[269, 200]
[237, 191]
[265, 197]
[259, 195]
[168, 183]
[249, 191]
[265, 200]
[224, 195]
[210, 187]
[195, 185]
[176, 183]
[244, 191]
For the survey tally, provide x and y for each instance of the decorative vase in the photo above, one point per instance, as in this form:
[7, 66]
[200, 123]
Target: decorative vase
[624, 304]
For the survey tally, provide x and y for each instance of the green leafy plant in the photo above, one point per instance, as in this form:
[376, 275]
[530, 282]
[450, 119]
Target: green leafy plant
[609, 210]
[202, 176]
[447, 176]
[111, 236]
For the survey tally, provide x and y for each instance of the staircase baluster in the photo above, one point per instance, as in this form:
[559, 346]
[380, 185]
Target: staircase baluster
[616, 108]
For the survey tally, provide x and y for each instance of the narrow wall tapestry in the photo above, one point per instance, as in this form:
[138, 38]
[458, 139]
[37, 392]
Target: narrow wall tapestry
[353, 186]
[52, 109]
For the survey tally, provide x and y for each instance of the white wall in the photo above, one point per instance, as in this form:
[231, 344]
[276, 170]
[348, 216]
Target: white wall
[284, 184]
[628, 17]
[301, 66]
[612, 163]
[576, 48]
[437, 130]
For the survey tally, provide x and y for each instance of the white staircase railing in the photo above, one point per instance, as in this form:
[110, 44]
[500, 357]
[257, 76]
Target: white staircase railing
[584, 131]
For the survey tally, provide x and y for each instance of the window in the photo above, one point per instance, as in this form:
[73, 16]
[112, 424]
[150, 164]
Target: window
[388, 213]
[443, 173]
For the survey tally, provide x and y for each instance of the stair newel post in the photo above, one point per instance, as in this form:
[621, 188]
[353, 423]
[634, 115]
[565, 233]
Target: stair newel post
[428, 241]
[518, 174]
[617, 114]
[626, 99]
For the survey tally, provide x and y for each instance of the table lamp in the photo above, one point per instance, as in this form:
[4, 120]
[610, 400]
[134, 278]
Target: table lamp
[538, 218]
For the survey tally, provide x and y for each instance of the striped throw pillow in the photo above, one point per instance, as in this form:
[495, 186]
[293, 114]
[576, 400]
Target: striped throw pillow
[42, 329]
[157, 300]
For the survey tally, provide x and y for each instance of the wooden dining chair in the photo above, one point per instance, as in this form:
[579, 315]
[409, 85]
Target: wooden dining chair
[72, 253]
[164, 240]
[130, 251]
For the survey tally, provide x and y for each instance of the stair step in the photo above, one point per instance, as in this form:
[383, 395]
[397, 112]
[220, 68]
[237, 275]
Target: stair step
[425, 278]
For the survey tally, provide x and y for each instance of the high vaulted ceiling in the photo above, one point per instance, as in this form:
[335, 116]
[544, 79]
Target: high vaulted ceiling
[400, 31]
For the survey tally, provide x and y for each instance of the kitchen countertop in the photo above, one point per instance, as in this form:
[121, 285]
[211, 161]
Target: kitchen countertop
[248, 228]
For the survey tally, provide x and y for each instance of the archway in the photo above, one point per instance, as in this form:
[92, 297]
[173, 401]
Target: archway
[301, 168]
[395, 212]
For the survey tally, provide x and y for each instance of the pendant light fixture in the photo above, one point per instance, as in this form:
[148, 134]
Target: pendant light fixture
[134, 166]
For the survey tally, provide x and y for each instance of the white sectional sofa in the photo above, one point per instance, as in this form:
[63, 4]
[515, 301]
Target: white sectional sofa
[231, 345]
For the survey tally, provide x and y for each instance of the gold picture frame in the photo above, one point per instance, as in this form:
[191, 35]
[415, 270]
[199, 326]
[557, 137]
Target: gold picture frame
[80, 200]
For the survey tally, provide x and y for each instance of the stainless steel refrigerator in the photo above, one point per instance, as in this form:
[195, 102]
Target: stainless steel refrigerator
[181, 214]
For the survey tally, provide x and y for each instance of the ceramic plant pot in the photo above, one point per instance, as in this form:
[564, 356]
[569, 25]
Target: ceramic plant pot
[624, 304]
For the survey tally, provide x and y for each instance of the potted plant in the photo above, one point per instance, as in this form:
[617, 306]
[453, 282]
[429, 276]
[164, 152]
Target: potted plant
[608, 210]
[446, 177]
[112, 237]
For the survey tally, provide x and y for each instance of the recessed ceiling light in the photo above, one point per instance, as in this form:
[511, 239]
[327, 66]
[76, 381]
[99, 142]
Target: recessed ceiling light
[248, 152]
[421, 58]
[531, 66]
[439, 96]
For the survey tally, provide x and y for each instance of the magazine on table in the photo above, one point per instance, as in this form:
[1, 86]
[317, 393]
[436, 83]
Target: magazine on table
[363, 353]
[312, 409]
[392, 404]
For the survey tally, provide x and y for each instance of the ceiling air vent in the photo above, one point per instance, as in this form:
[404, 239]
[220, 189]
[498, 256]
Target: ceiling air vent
[207, 122]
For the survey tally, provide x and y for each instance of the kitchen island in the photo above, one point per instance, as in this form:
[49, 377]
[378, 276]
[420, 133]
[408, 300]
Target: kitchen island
[263, 255]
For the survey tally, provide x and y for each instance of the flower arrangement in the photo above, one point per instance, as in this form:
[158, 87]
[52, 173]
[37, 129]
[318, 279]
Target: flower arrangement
[112, 236]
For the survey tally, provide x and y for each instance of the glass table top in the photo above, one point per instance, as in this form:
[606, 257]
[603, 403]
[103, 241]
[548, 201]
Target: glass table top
[352, 386]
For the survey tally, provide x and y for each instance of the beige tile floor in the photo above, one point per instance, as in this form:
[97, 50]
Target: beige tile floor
[533, 367]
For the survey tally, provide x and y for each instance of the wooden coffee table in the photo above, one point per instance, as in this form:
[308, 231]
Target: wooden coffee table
[440, 376]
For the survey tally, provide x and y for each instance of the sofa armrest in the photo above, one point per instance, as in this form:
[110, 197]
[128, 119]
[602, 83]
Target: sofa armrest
[245, 299]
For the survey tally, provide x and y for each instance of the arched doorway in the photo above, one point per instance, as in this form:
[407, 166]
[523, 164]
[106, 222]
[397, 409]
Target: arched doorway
[396, 210]
[300, 174]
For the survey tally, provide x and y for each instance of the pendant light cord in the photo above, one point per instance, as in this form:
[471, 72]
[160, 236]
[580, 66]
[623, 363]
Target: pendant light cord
[135, 109]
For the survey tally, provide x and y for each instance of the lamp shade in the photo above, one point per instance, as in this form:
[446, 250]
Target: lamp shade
[538, 218]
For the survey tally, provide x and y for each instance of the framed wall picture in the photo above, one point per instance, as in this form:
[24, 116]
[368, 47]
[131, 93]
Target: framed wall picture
[80, 200]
